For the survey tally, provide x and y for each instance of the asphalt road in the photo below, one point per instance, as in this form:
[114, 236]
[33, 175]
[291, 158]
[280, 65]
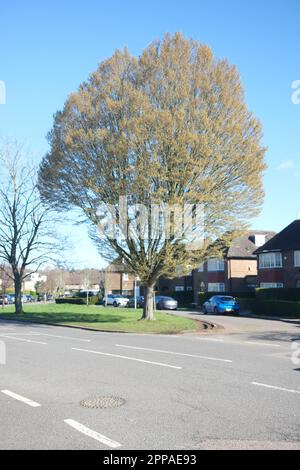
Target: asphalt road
[237, 388]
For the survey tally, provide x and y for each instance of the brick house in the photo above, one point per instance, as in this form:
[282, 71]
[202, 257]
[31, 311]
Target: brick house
[117, 279]
[235, 272]
[279, 259]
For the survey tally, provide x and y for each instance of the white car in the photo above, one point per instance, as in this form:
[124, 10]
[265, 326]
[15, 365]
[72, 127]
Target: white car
[117, 300]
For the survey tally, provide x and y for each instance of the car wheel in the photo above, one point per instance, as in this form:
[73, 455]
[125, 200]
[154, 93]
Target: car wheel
[204, 311]
[115, 304]
[216, 311]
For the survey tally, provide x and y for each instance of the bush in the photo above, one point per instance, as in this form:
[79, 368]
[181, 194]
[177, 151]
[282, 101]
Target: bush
[94, 300]
[283, 293]
[71, 300]
[282, 308]
[279, 308]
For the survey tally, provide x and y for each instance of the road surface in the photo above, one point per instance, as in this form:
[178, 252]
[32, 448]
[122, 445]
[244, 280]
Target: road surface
[237, 388]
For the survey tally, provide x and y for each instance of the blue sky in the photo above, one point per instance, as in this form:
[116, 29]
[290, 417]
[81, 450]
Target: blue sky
[48, 48]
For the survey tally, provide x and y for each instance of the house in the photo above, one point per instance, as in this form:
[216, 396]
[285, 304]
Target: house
[30, 282]
[118, 280]
[235, 272]
[279, 259]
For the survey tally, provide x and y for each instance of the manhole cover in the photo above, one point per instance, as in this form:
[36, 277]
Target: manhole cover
[103, 402]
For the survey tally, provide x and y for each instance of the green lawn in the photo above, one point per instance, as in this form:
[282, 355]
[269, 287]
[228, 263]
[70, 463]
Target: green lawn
[102, 318]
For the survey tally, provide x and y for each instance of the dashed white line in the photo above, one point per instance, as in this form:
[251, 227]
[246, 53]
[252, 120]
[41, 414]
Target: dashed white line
[22, 339]
[259, 343]
[254, 343]
[128, 358]
[21, 398]
[175, 353]
[93, 434]
[276, 388]
[63, 337]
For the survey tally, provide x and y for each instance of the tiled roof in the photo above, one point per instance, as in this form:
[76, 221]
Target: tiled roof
[287, 239]
[244, 247]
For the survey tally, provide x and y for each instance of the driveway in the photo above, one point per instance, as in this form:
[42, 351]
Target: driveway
[246, 327]
[147, 391]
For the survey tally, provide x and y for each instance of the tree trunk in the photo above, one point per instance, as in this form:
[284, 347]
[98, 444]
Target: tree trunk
[148, 313]
[18, 295]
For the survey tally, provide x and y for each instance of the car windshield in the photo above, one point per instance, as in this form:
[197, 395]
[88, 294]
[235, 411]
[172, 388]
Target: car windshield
[226, 299]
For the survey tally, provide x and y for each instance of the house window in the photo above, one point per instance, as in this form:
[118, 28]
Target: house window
[271, 285]
[125, 276]
[297, 258]
[189, 288]
[215, 264]
[270, 260]
[216, 287]
[179, 288]
[201, 268]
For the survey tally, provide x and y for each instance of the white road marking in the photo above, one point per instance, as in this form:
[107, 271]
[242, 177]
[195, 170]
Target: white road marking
[175, 353]
[129, 358]
[211, 339]
[227, 341]
[21, 334]
[20, 398]
[259, 343]
[90, 433]
[63, 337]
[275, 387]
[22, 339]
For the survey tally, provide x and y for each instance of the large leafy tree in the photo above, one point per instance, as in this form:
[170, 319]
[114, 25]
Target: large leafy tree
[170, 127]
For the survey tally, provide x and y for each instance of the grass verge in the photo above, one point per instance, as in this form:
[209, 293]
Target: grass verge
[101, 318]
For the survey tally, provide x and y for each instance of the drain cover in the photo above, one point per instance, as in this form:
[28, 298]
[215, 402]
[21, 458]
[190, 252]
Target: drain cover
[103, 402]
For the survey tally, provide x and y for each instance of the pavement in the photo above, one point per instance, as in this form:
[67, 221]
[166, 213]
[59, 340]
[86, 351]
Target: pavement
[236, 388]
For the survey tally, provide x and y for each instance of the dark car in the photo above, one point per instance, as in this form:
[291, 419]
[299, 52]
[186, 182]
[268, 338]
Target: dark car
[221, 304]
[165, 303]
[139, 302]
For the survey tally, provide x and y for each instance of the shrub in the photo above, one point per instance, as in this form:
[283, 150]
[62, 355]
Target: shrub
[94, 300]
[267, 307]
[71, 300]
[283, 293]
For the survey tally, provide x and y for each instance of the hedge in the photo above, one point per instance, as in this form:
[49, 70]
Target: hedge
[282, 293]
[94, 300]
[276, 308]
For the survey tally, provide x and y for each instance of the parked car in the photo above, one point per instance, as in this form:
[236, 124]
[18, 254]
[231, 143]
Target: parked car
[30, 298]
[165, 303]
[7, 299]
[11, 298]
[139, 301]
[221, 304]
[117, 300]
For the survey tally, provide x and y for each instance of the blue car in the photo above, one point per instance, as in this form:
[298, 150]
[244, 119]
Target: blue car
[221, 304]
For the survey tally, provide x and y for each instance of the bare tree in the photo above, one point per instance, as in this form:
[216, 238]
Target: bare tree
[26, 235]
